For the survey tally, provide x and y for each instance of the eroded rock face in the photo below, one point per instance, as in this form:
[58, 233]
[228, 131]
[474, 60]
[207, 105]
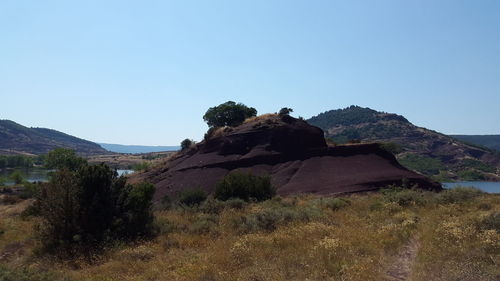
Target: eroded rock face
[293, 152]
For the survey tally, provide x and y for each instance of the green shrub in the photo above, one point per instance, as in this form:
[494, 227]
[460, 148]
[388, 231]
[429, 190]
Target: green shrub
[471, 175]
[490, 222]
[285, 111]
[17, 177]
[244, 186]
[165, 203]
[186, 143]
[457, 195]
[235, 203]
[82, 210]
[423, 164]
[274, 214]
[478, 165]
[337, 203]
[404, 197]
[334, 203]
[164, 226]
[192, 197]
[142, 166]
[391, 147]
[212, 206]
[204, 223]
[30, 190]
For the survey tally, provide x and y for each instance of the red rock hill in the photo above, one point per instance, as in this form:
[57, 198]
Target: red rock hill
[293, 152]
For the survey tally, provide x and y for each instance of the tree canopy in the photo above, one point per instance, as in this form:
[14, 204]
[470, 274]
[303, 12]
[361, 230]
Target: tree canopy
[228, 114]
[60, 158]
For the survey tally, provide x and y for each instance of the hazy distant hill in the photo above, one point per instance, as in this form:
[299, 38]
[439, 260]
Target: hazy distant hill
[16, 138]
[120, 148]
[489, 141]
[420, 149]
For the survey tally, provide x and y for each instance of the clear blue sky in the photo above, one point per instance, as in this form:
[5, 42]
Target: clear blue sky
[145, 72]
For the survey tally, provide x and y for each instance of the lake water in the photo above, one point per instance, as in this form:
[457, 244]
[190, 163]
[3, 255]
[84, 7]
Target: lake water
[124, 172]
[486, 186]
[39, 174]
[31, 175]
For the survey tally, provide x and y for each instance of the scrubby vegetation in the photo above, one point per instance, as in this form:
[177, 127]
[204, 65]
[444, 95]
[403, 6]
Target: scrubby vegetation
[19, 161]
[192, 197]
[82, 208]
[285, 111]
[352, 115]
[81, 211]
[425, 165]
[244, 186]
[142, 166]
[17, 177]
[357, 237]
[186, 143]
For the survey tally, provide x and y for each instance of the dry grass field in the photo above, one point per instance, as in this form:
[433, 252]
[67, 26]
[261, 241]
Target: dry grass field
[391, 235]
[128, 161]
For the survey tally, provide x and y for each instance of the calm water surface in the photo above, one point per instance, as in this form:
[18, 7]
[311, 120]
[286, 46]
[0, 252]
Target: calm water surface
[39, 174]
[486, 186]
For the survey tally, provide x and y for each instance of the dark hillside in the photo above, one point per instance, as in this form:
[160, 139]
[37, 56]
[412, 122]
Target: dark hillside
[426, 151]
[16, 138]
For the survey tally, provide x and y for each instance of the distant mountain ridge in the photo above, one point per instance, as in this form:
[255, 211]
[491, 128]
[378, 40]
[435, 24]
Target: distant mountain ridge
[489, 141]
[16, 138]
[426, 151]
[121, 148]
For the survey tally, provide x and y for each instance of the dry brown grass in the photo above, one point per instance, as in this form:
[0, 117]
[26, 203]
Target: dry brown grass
[313, 239]
[126, 161]
[262, 117]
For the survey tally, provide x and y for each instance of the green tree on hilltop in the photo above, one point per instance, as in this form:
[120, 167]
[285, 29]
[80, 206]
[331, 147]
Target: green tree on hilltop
[186, 143]
[228, 114]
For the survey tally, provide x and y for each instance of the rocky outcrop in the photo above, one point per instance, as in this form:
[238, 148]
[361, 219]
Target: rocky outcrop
[293, 152]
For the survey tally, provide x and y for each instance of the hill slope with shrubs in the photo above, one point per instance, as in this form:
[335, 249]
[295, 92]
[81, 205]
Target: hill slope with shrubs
[426, 151]
[20, 139]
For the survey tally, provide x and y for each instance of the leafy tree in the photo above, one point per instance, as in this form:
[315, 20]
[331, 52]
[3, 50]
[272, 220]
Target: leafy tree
[81, 210]
[61, 158]
[228, 114]
[185, 144]
[285, 111]
[16, 161]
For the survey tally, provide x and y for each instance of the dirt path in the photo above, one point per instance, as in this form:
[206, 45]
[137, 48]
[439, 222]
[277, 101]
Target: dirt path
[400, 269]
